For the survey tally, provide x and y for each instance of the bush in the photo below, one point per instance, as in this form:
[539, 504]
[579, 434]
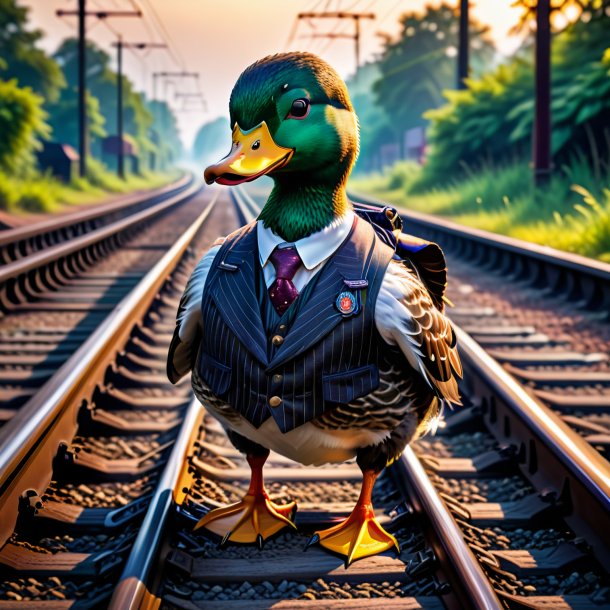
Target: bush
[491, 121]
[99, 176]
[22, 123]
[564, 215]
[8, 193]
[38, 197]
[403, 174]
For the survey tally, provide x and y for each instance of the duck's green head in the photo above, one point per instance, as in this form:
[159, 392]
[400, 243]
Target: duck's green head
[292, 119]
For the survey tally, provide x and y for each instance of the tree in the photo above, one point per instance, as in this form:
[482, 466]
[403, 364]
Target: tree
[102, 87]
[212, 139]
[22, 124]
[164, 131]
[416, 68]
[63, 118]
[23, 61]
[375, 126]
[491, 121]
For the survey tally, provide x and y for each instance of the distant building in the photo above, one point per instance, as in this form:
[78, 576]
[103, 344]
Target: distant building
[389, 154]
[60, 159]
[110, 154]
[415, 144]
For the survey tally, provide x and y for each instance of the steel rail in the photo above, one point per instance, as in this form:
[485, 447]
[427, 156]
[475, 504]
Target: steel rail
[469, 582]
[39, 259]
[550, 452]
[132, 590]
[583, 278]
[50, 416]
[63, 221]
[576, 262]
[248, 209]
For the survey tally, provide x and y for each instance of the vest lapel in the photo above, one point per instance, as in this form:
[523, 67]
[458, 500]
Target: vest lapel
[320, 314]
[235, 295]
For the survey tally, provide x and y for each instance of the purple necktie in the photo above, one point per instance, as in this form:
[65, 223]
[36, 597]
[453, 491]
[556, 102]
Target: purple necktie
[283, 292]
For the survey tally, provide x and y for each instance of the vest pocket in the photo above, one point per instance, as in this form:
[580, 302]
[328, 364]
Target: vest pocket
[215, 374]
[348, 385]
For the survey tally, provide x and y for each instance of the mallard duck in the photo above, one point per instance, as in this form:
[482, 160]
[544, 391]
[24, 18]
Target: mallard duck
[304, 332]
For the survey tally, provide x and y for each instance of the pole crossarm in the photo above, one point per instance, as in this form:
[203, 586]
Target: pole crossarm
[141, 45]
[98, 14]
[356, 17]
[177, 74]
[330, 35]
[336, 15]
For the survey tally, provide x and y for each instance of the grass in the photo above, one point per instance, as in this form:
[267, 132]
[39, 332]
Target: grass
[41, 193]
[572, 213]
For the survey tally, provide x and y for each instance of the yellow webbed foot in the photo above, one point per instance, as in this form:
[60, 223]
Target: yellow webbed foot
[360, 535]
[253, 519]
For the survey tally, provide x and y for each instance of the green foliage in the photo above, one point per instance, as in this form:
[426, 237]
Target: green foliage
[212, 139]
[420, 65]
[22, 122]
[492, 120]
[42, 193]
[38, 196]
[8, 193]
[98, 176]
[164, 132]
[21, 58]
[572, 213]
[391, 95]
[63, 117]
[402, 175]
[375, 127]
[102, 106]
[478, 122]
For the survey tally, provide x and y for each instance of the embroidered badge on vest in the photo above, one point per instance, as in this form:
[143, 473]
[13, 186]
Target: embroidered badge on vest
[347, 303]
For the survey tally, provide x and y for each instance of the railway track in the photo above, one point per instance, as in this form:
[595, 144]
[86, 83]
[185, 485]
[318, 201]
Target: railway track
[18, 243]
[542, 314]
[61, 277]
[80, 461]
[506, 507]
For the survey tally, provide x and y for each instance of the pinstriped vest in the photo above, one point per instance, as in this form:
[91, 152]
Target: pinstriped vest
[323, 360]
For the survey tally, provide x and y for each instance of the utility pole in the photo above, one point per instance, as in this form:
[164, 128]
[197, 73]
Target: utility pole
[82, 102]
[164, 76]
[356, 17]
[463, 44]
[181, 74]
[191, 96]
[82, 14]
[119, 110]
[542, 119]
[120, 45]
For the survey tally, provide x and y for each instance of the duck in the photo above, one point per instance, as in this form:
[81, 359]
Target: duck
[303, 332]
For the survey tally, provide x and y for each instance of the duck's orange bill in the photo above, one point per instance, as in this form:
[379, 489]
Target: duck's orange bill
[253, 154]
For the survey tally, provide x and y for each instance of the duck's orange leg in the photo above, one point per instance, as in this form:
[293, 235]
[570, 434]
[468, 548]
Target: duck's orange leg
[360, 535]
[254, 518]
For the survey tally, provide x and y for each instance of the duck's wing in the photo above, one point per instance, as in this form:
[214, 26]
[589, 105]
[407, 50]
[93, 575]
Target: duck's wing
[187, 334]
[406, 317]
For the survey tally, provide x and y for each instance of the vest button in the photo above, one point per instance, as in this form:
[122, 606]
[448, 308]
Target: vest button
[282, 327]
[275, 401]
[277, 340]
[277, 378]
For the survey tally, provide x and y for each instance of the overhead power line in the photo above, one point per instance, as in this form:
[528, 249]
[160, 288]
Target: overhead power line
[82, 14]
[120, 45]
[340, 15]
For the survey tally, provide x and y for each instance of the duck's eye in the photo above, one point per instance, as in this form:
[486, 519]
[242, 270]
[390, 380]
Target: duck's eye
[256, 145]
[299, 109]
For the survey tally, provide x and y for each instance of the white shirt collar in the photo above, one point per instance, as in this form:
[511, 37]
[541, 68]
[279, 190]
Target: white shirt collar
[314, 249]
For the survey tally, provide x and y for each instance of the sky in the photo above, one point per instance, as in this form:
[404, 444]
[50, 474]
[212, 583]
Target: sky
[218, 39]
